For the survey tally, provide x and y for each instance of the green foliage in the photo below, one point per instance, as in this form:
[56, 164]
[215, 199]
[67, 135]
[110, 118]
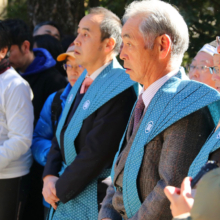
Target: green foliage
[201, 16]
[16, 9]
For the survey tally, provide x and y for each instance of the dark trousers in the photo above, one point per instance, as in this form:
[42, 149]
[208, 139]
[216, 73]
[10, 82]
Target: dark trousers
[34, 209]
[13, 196]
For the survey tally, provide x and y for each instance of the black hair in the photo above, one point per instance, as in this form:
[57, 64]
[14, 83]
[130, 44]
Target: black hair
[19, 32]
[5, 40]
[51, 23]
[110, 26]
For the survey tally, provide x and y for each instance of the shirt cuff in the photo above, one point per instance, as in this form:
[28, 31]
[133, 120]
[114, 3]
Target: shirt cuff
[182, 216]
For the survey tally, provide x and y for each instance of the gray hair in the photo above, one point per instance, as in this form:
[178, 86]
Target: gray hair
[110, 26]
[160, 18]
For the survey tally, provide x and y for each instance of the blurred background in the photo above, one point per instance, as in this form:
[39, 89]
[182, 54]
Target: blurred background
[201, 16]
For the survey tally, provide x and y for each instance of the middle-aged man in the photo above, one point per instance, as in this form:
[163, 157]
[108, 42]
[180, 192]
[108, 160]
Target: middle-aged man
[92, 123]
[170, 122]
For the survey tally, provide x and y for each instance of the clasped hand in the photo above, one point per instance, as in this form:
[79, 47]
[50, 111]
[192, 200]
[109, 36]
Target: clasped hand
[49, 190]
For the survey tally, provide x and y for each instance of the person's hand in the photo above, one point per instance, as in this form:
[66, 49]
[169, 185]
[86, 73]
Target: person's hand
[49, 190]
[218, 49]
[181, 199]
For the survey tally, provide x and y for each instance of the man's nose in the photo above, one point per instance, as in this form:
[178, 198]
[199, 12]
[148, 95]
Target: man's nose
[77, 41]
[123, 56]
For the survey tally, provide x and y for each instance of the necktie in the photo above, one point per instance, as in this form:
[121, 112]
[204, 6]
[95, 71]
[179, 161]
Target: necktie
[85, 85]
[138, 111]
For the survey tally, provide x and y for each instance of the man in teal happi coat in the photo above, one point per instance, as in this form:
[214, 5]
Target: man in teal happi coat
[171, 119]
[94, 118]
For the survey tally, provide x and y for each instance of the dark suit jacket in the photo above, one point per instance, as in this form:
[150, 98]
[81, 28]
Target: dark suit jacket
[166, 162]
[96, 145]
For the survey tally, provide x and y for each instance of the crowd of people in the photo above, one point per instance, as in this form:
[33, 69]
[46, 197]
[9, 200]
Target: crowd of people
[80, 140]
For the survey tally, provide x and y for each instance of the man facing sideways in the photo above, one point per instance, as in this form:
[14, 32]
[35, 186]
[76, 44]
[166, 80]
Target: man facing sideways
[92, 123]
[170, 122]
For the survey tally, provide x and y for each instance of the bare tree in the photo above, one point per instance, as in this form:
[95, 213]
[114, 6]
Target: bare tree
[66, 13]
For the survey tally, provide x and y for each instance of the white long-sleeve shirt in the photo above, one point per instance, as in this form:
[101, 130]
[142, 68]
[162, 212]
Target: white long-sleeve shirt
[16, 125]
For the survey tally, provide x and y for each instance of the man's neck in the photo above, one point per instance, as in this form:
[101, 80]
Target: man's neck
[101, 62]
[157, 74]
[30, 58]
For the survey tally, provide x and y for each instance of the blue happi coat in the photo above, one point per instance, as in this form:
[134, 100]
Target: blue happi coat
[177, 98]
[111, 81]
[212, 144]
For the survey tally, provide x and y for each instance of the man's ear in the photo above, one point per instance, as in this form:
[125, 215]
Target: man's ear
[164, 48]
[25, 46]
[3, 52]
[109, 44]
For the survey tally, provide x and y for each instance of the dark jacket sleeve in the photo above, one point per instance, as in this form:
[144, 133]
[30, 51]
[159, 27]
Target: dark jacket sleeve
[101, 144]
[54, 160]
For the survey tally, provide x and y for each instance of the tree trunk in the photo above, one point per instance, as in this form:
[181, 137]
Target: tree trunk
[66, 13]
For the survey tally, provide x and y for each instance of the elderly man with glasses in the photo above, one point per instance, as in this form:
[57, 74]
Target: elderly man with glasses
[199, 68]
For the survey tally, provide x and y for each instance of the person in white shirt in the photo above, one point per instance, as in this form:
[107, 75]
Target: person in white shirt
[16, 129]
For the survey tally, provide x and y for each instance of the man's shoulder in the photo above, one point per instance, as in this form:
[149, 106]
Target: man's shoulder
[193, 122]
[12, 79]
[127, 94]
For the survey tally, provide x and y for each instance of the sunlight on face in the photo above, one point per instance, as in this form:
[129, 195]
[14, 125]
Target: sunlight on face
[216, 77]
[200, 72]
[73, 70]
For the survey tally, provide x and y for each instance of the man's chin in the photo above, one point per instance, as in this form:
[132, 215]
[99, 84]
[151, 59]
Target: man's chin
[131, 74]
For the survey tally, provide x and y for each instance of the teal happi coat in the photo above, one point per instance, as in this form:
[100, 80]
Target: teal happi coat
[212, 144]
[177, 98]
[110, 82]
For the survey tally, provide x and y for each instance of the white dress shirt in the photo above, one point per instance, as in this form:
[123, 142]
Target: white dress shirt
[94, 75]
[150, 92]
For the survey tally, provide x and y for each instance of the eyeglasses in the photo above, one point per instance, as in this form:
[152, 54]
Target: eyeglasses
[199, 68]
[214, 69]
[67, 66]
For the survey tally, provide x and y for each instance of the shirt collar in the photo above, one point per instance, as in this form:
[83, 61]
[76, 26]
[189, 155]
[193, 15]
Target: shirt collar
[94, 75]
[150, 92]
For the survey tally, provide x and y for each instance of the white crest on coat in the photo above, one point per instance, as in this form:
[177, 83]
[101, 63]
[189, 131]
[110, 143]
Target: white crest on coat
[86, 105]
[148, 127]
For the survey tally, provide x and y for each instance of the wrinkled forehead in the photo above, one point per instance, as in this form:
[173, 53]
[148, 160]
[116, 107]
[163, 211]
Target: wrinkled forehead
[91, 22]
[216, 59]
[131, 28]
[203, 58]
